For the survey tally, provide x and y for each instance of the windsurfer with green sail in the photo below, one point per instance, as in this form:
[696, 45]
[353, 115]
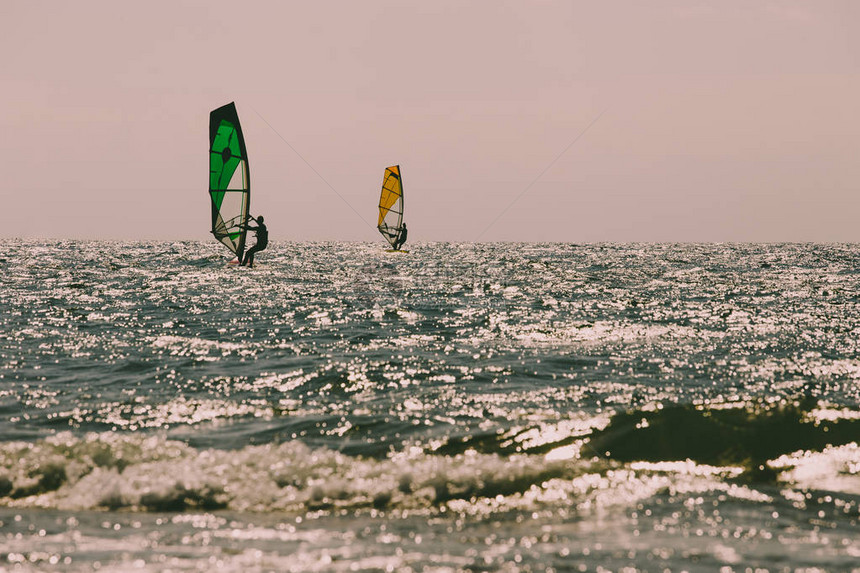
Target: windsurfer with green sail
[262, 235]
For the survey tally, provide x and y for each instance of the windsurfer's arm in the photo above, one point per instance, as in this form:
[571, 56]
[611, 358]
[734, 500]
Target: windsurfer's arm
[247, 224]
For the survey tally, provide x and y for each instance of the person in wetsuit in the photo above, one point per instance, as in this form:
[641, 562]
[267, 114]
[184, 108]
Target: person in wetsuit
[401, 238]
[262, 235]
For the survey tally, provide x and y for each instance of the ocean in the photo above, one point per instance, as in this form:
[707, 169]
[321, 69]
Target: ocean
[462, 407]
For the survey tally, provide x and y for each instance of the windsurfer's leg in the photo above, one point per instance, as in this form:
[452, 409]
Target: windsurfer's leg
[249, 256]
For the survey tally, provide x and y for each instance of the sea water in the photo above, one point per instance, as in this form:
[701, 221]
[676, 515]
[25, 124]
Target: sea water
[462, 407]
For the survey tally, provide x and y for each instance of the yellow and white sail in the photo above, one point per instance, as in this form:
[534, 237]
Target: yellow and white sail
[391, 205]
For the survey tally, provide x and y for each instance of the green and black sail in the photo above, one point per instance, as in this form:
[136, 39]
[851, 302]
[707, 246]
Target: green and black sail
[229, 179]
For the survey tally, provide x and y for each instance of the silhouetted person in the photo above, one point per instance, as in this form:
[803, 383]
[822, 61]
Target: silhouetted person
[401, 238]
[262, 235]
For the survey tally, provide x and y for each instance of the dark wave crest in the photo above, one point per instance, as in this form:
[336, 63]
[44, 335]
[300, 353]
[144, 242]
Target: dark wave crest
[747, 436]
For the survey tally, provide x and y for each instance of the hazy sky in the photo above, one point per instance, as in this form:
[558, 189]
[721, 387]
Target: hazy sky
[724, 120]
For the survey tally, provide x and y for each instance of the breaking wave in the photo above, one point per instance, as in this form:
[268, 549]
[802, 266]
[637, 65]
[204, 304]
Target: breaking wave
[614, 461]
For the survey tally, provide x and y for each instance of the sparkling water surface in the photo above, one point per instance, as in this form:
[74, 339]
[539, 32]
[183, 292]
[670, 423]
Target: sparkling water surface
[462, 407]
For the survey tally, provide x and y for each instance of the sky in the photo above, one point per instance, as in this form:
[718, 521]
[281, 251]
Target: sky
[511, 120]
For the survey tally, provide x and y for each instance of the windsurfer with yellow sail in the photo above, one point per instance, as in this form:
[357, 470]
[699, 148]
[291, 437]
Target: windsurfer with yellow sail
[401, 238]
